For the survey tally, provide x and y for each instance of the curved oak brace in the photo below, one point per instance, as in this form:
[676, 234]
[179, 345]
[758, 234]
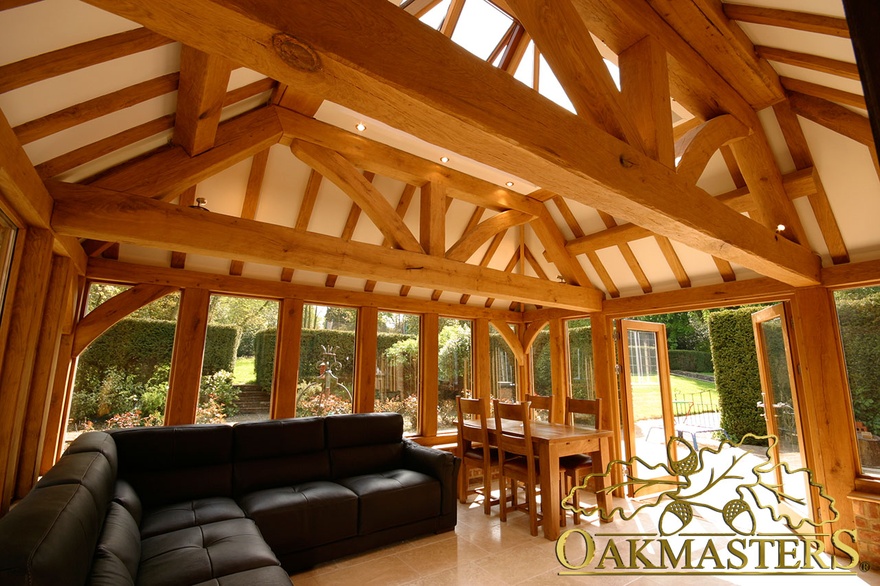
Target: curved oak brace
[531, 333]
[345, 175]
[472, 240]
[698, 145]
[511, 338]
[113, 310]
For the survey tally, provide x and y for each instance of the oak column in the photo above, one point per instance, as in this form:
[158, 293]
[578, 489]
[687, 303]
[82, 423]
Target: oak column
[35, 423]
[482, 374]
[829, 419]
[365, 352]
[187, 357]
[287, 356]
[429, 369]
[23, 308]
[559, 372]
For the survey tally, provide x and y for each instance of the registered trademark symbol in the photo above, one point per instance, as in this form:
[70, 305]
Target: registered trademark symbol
[865, 567]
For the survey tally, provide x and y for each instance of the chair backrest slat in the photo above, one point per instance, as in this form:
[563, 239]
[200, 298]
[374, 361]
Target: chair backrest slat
[583, 407]
[473, 409]
[541, 403]
[514, 443]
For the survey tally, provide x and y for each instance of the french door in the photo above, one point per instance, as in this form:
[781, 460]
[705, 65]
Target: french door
[781, 407]
[647, 401]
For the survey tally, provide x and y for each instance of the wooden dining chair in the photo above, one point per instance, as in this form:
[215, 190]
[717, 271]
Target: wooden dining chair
[516, 459]
[540, 403]
[575, 468]
[474, 449]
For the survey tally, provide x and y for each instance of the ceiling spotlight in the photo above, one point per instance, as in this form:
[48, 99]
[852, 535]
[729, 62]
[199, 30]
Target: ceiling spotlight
[780, 228]
[444, 159]
[200, 204]
[509, 184]
[361, 126]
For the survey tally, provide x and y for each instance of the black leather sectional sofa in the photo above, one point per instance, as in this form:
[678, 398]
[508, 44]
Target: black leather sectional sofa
[225, 505]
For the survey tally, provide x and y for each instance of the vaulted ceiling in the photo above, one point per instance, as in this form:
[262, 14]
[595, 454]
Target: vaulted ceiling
[508, 154]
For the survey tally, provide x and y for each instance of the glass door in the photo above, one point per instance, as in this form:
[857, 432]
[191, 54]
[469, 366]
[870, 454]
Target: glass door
[780, 404]
[647, 402]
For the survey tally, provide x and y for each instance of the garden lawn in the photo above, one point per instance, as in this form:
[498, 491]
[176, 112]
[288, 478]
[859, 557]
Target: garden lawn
[244, 373]
[646, 397]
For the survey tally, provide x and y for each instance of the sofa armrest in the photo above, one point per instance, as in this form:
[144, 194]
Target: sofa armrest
[441, 465]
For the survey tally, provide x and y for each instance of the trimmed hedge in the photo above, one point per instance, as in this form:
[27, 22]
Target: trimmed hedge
[312, 353]
[736, 372]
[127, 366]
[138, 346]
[690, 361]
[860, 331]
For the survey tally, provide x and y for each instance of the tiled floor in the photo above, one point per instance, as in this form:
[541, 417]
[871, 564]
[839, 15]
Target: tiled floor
[484, 551]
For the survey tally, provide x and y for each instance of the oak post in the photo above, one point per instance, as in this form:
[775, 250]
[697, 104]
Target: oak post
[482, 373]
[429, 373]
[366, 349]
[560, 374]
[187, 357]
[287, 356]
[24, 309]
[45, 361]
[826, 401]
[59, 404]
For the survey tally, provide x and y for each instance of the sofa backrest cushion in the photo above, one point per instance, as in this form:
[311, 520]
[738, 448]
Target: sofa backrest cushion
[268, 454]
[95, 441]
[92, 471]
[176, 463]
[49, 537]
[364, 443]
[119, 550]
[125, 495]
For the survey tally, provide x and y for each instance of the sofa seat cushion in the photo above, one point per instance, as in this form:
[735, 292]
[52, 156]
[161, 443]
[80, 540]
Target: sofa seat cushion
[189, 514]
[268, 576]
[302, 516]
[394, 498]
[203, 553]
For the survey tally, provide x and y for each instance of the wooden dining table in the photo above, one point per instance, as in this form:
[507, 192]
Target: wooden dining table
[553, 441]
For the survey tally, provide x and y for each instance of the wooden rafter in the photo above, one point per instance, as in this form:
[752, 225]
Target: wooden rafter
[95, 108]
[803, 159]
[251, 197]
[801, 21]
[837, 118]
[824, 92]
[703, 24]
[166, 174]
[453, 13]
[592, 257]
[487, 258]
[203, 81]
[304, 215]
[815, 62]
[61, 61]
[97, 213]
[409, 90]
[73, 159]
[548, 233]
[797, 184]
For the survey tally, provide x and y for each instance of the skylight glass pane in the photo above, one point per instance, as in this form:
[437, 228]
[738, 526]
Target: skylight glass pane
[434, 17]
[549, 87]
[526, 70]
[480, 27]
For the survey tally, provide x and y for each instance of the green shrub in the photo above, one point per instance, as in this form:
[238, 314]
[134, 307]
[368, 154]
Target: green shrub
[690, 361]
[860, 331]
[736, 372]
